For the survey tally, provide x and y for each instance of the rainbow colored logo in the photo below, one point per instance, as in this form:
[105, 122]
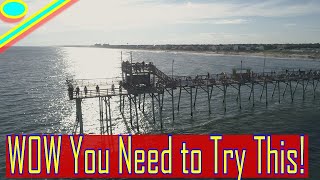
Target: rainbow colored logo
[15, 10]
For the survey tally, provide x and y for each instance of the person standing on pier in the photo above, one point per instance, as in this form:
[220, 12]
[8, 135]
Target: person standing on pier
[120, 87]
[98, 90]
[112, 88]
[70, 90]
[77, 91]
[85, 91]
[143, 65]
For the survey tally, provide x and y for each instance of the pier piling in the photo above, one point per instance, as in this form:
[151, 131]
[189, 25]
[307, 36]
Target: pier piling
[79, 114]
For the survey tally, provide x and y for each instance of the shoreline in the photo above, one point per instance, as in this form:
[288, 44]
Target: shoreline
[240, 54]
[265, 54]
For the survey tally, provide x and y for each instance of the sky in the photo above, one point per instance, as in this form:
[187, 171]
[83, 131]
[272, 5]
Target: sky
[178, 22]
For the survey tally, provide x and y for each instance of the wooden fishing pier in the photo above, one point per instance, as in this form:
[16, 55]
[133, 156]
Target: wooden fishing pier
[144, 80]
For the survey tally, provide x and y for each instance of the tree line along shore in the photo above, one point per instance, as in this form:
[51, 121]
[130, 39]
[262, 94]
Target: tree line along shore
[302, 51]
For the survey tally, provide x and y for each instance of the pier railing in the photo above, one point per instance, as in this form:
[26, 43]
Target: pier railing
[94, 82]
[82, 94]
[135, 68]
[164, 81]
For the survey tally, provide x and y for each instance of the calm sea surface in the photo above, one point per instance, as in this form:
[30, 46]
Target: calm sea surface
[33, 96]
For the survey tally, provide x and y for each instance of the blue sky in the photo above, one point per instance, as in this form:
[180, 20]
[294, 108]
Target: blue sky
[180, 22]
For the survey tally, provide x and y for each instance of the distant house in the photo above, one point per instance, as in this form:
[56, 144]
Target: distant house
[260, 48]
[213, 48]
[281, 46]
[236, 48]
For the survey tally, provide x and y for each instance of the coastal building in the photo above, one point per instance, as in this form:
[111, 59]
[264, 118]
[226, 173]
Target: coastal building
[260, 48]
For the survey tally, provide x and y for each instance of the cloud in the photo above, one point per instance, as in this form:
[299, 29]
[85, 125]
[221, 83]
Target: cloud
[230, 38]
[290, 25]
[217, 21]
[113, 15]
[232, 21]
[150, 21]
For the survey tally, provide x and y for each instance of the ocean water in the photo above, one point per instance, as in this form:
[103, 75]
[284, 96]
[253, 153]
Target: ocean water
[33, 96]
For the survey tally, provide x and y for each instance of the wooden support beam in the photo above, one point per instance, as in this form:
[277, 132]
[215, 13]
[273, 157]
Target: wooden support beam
[110, 119]
[253, 100]
[239, 95]
[144, 100]
[279, 92]
[304, 90]
[179, 98]
[139, 101]
[263, 88]
[251, 88]
[79, 114]
[172, 100]
[266, 85]
[195, 98]
[315, 85]
[107, 118]
[101, 114]
[291, 92]
[209, 99]
[224, 97]
[191, 108]
[274, 89]
[123, 102]
[120, 103]
[211, 93]
[314, 89]
[136, 109]
[285, 89]
[130, 100]
[160, 110]
[152, 103]
[295, 89]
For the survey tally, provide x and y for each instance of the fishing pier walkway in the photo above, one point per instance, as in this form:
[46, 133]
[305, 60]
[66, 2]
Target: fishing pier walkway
[141, 80]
